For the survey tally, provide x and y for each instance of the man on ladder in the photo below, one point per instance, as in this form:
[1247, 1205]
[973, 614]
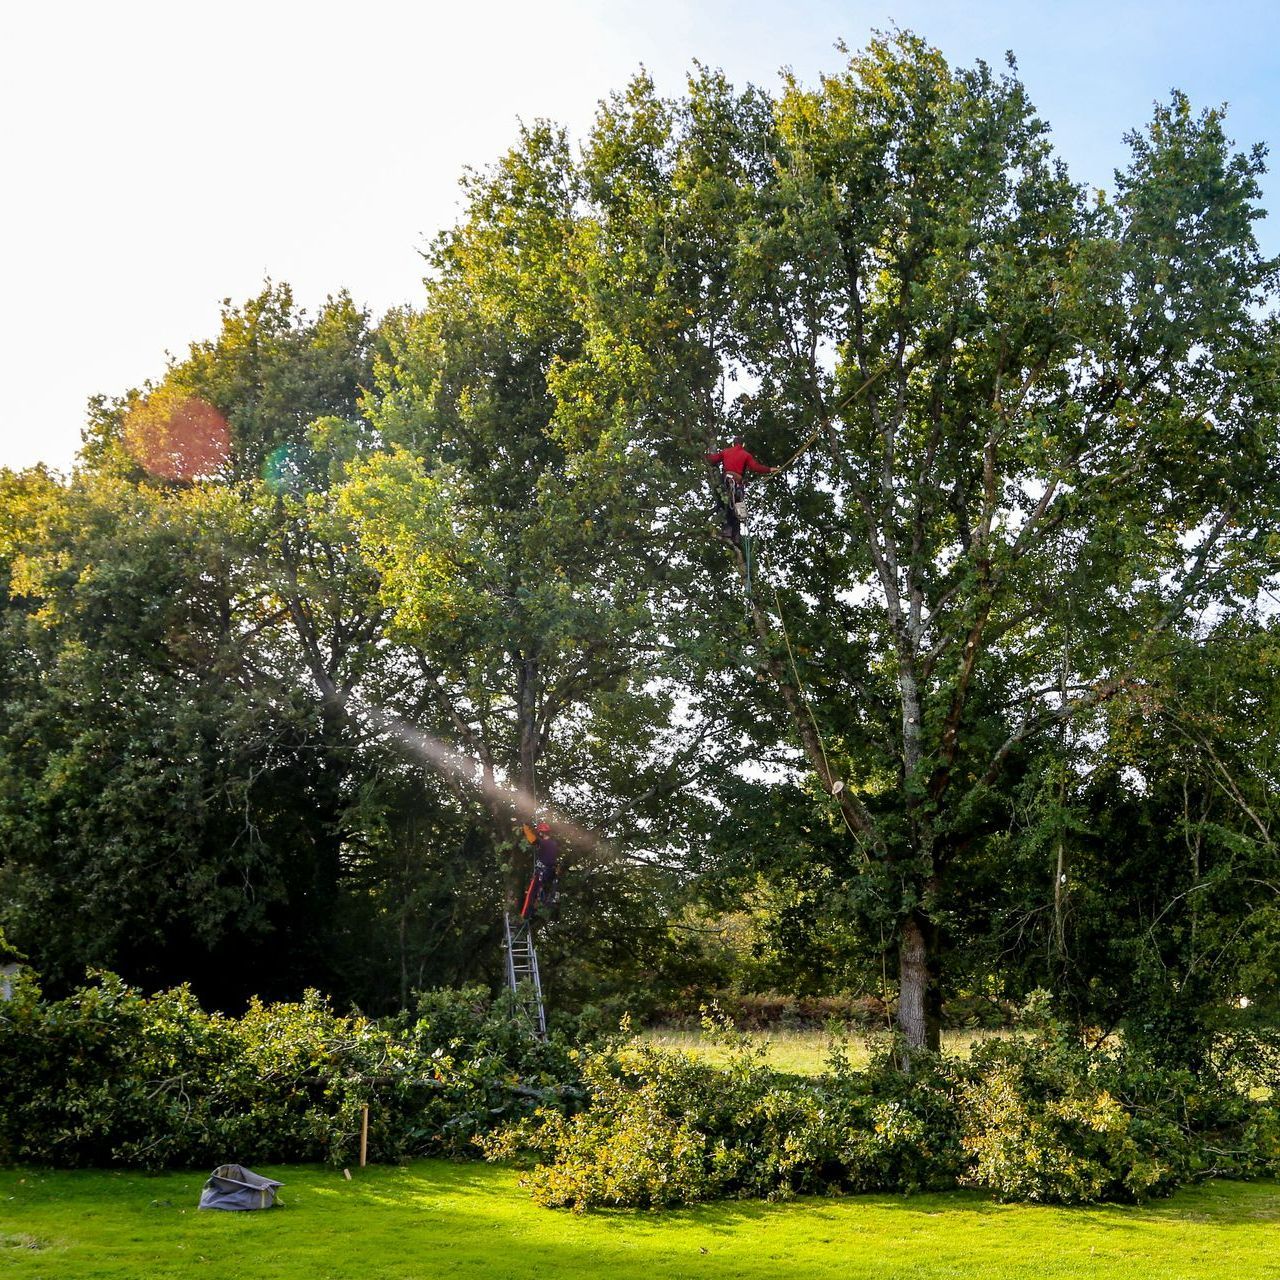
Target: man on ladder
[735, 462]
[546, 867]
[523, 977]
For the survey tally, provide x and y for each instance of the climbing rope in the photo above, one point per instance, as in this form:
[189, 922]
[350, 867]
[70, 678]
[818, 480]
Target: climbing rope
[802, 689]
[747, 558]
[844, 404]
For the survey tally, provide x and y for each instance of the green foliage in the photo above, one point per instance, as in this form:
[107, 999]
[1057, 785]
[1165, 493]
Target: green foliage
[171, 792]
[269, 724]
[775, 1011]
[1041, 1129]
[664, 1129]
[1040, 430]
[8, 952]
[1046, 1121]
[894, 1130]
[109, 1076]
[1041, 1121]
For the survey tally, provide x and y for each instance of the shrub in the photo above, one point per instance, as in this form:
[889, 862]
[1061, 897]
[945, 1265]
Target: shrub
[110, 1076]
[894, 1131]
[769, 1010]
[1027, 1120]
[663, 1129]
[758, 1011]
[1046, 1120]
[1041, 1129]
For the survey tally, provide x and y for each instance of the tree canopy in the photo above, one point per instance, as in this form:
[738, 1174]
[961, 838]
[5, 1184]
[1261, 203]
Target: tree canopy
[323, 616]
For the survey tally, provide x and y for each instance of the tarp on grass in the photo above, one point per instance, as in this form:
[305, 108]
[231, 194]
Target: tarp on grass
[232, 1186]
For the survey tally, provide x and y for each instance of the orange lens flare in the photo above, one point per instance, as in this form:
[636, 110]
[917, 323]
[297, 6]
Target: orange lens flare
[178, 437]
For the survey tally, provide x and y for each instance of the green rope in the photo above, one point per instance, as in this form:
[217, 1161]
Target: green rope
[844, 404]
[808, 706]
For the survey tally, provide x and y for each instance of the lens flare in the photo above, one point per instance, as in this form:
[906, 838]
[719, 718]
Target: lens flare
[178, 437]
[284, 469]
[447, 760]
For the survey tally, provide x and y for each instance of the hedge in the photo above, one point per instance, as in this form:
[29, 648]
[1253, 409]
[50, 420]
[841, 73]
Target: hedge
[111, 1076]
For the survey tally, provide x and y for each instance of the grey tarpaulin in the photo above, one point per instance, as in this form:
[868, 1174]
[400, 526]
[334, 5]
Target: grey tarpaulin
[232, 1186]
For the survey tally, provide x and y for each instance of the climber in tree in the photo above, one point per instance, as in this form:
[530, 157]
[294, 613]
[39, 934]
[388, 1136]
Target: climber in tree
[735, 462]
[546, 870]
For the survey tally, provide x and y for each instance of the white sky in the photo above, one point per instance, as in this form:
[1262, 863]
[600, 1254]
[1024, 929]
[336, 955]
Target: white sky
[159, 157]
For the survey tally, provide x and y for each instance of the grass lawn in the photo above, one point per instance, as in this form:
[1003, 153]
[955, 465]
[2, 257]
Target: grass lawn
[801, 1053]
[433, 1218]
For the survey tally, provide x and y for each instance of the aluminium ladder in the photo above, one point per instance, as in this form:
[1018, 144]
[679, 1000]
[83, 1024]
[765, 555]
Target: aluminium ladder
[522, 971]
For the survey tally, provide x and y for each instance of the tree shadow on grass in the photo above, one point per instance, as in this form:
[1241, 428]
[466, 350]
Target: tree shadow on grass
[1216, 1203]
[472, 1218]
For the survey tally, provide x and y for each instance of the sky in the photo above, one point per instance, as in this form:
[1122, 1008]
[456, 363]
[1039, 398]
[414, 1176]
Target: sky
[157, 158]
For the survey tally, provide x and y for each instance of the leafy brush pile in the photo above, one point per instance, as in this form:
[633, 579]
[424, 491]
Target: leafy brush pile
[663, 1129]
[1038, 1121]
[110, 1076]
[1046, 1120]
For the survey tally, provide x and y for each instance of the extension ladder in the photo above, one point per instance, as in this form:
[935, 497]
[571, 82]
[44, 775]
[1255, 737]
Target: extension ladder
[522, 971]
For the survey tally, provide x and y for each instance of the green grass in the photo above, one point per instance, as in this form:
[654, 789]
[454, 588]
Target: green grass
[433, 1218]
[801, 1053]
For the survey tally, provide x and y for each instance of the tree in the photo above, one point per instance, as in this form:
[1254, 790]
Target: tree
[517, 547]
[1033, 431]
[1181, 941]
[345, 683]
[132, 834]
[177, 795]
[460, 566]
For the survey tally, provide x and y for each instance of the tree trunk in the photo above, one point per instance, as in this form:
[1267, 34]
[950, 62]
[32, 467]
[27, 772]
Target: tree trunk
[919, 999]
[403, 932]
[527, 708]
[1060, 903]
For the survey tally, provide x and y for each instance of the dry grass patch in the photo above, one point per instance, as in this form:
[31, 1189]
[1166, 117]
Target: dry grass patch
[805, 1052]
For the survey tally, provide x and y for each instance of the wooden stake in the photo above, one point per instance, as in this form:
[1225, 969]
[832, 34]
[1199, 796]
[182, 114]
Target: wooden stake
[364, 1133]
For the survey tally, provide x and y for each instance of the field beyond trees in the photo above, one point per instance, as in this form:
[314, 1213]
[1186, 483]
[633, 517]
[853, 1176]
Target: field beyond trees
[441, 1219]
[803, 1052]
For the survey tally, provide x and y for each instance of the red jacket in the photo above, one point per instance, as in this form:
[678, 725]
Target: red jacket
[735, 459]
